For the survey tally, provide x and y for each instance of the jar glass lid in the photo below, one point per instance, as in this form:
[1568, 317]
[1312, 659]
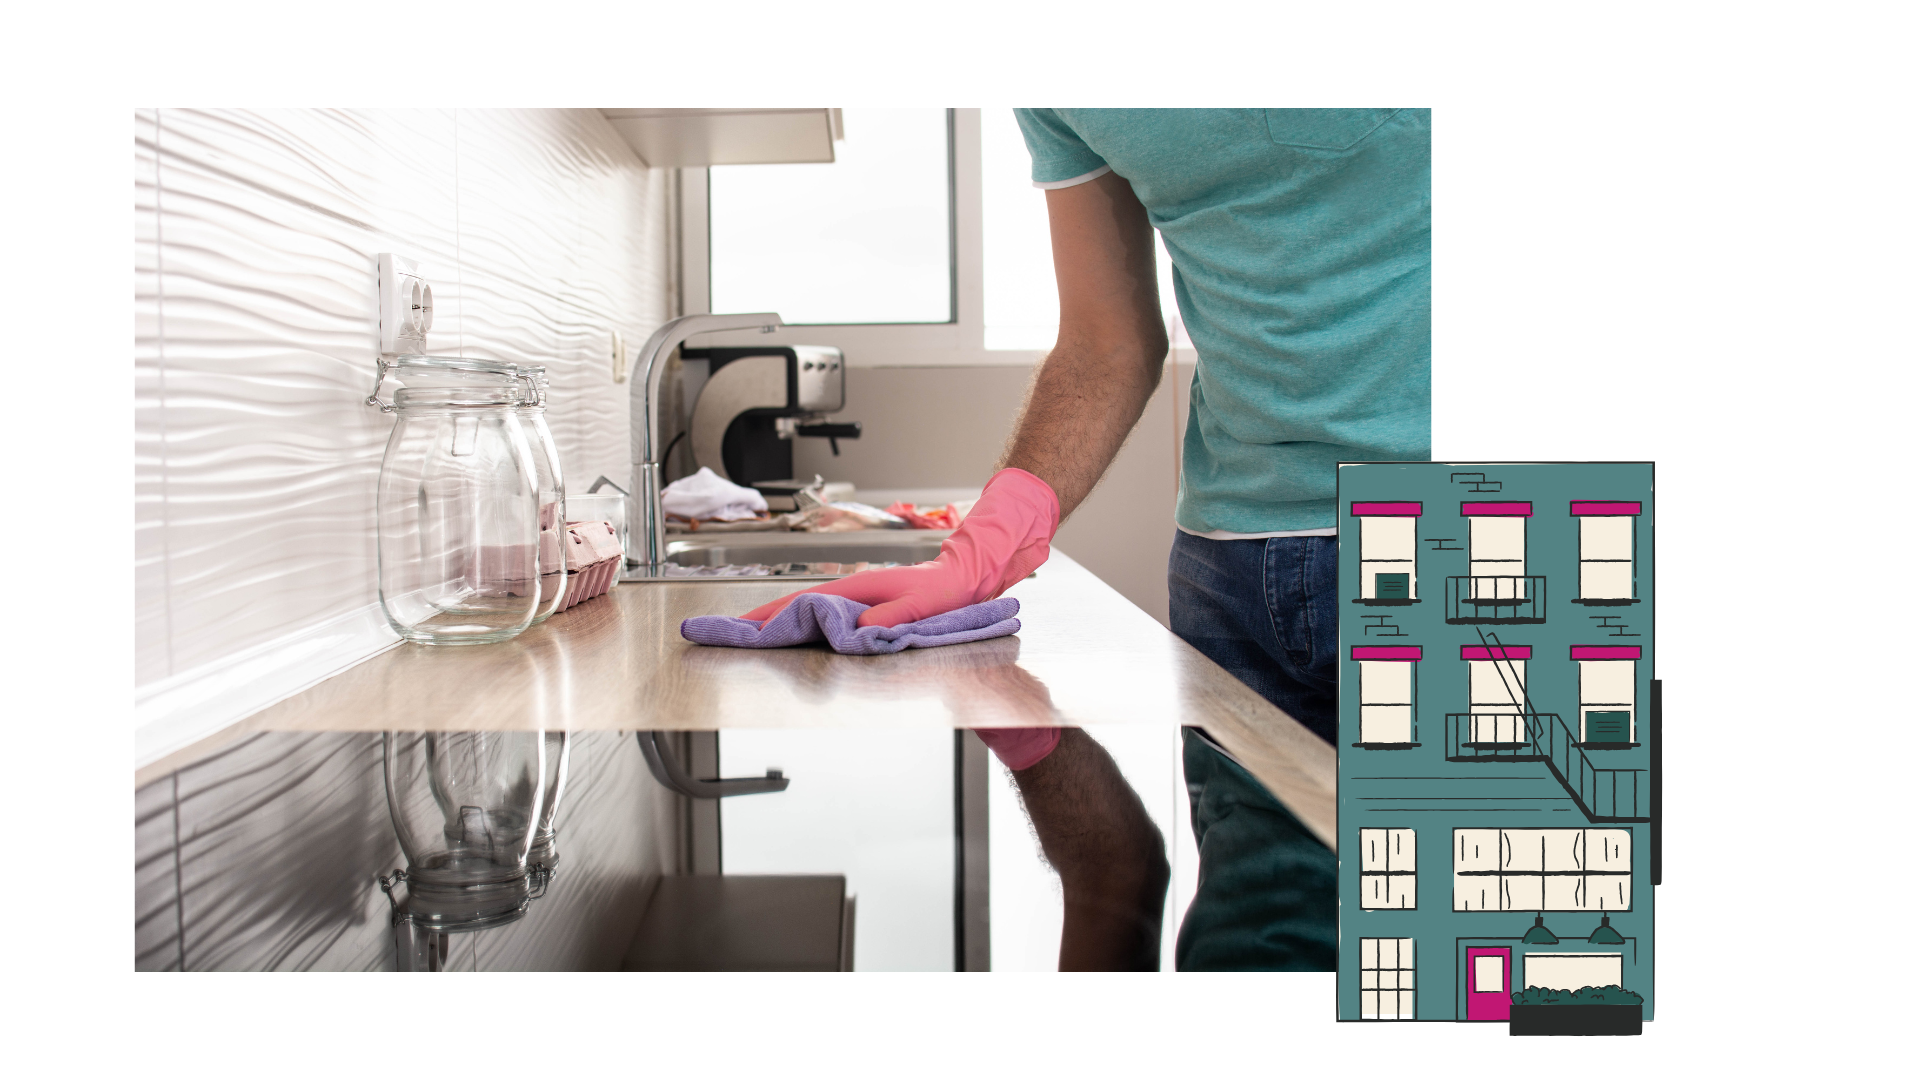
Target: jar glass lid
[459, 380]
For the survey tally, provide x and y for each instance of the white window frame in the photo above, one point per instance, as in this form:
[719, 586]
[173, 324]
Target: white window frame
[960, 343]
[949, 344]
[1373, 975]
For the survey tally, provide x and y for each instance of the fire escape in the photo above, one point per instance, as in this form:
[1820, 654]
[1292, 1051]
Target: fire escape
[1602, 794]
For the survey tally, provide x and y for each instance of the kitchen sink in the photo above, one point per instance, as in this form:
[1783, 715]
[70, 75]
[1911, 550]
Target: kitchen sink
[795, 554]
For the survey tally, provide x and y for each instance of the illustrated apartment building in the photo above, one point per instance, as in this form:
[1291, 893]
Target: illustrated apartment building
[1499, 727]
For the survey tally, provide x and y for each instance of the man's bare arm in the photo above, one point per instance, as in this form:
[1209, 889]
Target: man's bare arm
[1093, 386]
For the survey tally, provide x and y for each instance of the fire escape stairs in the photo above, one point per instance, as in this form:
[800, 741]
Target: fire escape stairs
[1576, 762]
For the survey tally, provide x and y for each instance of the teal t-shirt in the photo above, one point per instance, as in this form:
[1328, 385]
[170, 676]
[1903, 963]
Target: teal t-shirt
[1301, 264]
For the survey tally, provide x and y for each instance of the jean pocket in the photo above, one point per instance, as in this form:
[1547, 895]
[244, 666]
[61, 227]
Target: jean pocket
[1324, 129]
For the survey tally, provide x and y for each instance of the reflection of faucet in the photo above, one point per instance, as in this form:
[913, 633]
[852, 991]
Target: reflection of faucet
[648, 453]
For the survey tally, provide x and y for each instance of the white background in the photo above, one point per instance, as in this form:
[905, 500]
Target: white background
[1678, 233]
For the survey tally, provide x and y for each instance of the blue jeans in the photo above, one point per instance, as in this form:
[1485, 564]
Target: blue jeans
[1267, 611]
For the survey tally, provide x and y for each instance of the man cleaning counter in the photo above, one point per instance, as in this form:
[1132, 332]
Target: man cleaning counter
[1300, 247]
[1083, 655]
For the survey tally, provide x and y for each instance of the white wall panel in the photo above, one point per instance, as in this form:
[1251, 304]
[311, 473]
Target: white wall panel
[151, 659]
[256, 315]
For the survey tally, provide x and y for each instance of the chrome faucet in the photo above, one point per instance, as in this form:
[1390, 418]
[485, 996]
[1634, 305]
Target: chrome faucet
[648, 453]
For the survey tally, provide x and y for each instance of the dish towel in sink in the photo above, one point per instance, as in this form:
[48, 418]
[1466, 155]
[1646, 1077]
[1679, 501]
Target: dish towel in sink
[835, 620]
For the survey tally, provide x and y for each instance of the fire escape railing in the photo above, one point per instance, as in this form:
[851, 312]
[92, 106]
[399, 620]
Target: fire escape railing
[1517, 598]
[1601, 794]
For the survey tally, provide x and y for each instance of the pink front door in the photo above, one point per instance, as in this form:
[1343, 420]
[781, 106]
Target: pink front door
[1489, 984]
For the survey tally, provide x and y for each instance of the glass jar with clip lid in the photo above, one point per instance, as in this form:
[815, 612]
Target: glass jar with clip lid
[460, 501]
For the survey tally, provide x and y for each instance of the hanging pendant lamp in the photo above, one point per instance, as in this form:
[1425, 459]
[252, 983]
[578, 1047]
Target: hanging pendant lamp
[1605, 934]
[1539, 934]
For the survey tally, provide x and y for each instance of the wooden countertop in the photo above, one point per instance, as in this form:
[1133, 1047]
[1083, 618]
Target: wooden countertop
[1084, 656]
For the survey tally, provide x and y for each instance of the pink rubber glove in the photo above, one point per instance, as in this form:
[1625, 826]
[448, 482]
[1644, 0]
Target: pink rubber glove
[1004, 539]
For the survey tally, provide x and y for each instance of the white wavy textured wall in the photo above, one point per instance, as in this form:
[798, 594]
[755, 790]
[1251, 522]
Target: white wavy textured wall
[255, 459]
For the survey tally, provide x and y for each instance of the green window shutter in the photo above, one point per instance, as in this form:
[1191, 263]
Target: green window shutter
[1609, 727]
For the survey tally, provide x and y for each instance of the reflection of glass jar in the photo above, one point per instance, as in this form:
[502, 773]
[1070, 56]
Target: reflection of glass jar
[464, 805]
[459, 505]
[553, 497]
[543, 858]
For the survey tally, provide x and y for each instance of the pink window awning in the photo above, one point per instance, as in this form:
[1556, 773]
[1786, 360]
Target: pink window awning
[1496, 509]
[1386, 509]
[1605, 652]
[1602, 508]
[1496, 652]
[1386, 652]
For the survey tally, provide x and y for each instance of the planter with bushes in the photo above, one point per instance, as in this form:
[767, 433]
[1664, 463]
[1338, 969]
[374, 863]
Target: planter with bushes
[1590, 1010]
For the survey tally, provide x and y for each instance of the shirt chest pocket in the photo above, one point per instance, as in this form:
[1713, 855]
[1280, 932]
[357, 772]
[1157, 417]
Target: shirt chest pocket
[1324, 129]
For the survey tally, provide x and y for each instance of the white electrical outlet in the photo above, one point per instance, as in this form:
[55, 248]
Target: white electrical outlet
[406, 306]
[619, 357]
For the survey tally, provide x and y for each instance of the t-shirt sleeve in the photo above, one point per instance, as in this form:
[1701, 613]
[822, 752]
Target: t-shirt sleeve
[1058, 153]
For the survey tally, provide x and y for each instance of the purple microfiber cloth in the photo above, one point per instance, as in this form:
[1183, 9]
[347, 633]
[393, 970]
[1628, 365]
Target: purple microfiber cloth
[835, 620]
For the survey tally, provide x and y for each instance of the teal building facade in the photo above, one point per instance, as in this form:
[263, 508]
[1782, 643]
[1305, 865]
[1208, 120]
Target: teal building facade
[1499, 776]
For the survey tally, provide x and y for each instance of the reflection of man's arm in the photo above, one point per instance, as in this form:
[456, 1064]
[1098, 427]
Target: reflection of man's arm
[1111, 859]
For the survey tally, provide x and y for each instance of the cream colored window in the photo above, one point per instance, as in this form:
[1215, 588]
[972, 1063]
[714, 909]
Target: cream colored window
[1542, 869]
[1387, 877]
[1497, 556]
[1606, 558]
[1496, 695]
[1386, 701]
[1489, 974]
[1571, 971]
[1386, 978]
[1606, 686]
[1387, 547]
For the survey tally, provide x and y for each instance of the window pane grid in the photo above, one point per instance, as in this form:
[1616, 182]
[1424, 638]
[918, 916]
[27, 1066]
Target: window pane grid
[1386, 978]
[1387, 878]
[1542, 870]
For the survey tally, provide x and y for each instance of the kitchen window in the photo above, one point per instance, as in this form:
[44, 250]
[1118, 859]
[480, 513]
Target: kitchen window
[1387, 877]
[1542, 869]
[1387, 700]
[1606, 551]
[969, 269]
[1386, 978]
[866, 238]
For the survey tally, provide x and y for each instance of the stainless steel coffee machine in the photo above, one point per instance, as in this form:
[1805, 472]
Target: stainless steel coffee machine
[750, 403]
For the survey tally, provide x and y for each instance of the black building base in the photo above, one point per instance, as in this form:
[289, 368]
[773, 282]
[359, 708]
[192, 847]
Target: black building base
[1574, 1020]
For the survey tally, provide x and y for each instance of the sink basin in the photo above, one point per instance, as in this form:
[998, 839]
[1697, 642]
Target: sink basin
[792, 554]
